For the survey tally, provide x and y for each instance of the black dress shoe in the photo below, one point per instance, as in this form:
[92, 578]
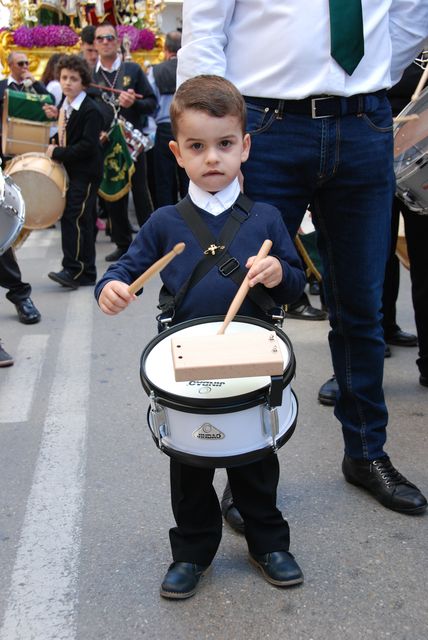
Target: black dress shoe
[278, 568]
[401, 338]
[64, 278]
[385, 484]
[181, 580]
[230, 512]
[423, 380]
[27, 312]
[116, 254]
[328, 392]
[302, 310]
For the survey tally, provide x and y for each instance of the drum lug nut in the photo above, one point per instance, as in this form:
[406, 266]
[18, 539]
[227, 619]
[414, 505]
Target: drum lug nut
[271, 424]
[157, 420]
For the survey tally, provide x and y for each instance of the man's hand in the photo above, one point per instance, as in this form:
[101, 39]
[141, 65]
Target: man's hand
[127, 98]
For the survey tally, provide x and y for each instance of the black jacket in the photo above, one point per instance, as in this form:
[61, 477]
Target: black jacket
[133, 77]
[82, 154]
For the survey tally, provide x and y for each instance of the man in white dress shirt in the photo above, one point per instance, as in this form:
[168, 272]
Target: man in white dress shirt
[321, 129]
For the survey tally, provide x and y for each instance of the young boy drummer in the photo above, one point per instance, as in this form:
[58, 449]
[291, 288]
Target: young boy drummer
[78, 147]
[208, 118]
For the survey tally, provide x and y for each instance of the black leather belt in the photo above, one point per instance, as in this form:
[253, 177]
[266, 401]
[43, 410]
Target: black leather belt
[320, 106]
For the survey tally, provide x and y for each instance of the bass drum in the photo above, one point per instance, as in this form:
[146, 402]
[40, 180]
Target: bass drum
[12, 212]
[216, 423]
[411, 155]
[43, 183]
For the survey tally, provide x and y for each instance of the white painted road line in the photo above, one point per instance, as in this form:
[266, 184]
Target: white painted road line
[43, 592]
[18, 384]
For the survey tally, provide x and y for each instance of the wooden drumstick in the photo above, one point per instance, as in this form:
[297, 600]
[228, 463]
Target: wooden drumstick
[412, 116]
[118, 91]
[243, 289]
[156, 267]
[421, 84]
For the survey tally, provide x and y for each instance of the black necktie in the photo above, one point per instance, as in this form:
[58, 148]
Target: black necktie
[346, 31]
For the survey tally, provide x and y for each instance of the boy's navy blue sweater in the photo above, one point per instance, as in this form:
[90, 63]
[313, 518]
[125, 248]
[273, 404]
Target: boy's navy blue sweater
[213, 294]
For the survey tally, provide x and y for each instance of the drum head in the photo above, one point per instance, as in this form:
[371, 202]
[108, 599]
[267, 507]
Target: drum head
[411, 137]
[43, 185]
[157, 371]
[12, 214]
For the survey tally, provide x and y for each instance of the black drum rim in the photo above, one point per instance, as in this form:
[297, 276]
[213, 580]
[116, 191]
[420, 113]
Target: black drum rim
[220, 405]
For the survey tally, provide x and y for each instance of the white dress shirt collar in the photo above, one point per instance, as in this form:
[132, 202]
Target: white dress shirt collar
[115, 66]
[214, 203]
[75, 104]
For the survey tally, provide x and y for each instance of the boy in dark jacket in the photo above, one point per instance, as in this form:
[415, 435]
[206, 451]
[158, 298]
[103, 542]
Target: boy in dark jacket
[77, 146]
[208, 118]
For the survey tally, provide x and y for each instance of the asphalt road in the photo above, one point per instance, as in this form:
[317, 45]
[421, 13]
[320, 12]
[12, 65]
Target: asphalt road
[84, 495]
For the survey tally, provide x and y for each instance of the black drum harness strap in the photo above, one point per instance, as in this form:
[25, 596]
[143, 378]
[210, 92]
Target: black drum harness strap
[216, 254]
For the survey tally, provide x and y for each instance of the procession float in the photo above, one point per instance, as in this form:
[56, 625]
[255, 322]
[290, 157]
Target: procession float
[43, 27]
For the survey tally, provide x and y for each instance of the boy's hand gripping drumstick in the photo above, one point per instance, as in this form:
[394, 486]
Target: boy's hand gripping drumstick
[156, 267]
[243, 289]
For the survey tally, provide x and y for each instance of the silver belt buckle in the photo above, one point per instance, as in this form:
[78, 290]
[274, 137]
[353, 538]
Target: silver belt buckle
[314, 108]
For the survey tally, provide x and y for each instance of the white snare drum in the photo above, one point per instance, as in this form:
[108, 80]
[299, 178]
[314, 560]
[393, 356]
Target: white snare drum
[217, 423]
[43, 183]
[12, 212]
[411, 157]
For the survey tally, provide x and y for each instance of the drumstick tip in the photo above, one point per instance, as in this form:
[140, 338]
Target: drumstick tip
[179, 248]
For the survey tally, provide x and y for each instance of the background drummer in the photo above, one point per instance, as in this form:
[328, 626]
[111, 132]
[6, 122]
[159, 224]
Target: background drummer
[208, 118]
[19, 79]
[79, 149]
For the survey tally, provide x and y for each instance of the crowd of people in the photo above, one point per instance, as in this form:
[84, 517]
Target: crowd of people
[310, 131]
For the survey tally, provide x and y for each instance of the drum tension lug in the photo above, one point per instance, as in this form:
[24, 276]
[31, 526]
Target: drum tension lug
[275, 392]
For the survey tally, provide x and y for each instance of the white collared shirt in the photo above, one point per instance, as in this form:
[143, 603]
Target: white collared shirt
[11, 79]
[75, 104]
[115, 66]
[281, 48]
[214, 203]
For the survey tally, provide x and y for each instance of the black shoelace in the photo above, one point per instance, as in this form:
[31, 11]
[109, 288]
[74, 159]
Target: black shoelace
[389, 473]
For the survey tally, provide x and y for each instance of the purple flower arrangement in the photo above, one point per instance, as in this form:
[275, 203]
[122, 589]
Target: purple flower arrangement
[139, 38]
[50, 36]
[60, 35]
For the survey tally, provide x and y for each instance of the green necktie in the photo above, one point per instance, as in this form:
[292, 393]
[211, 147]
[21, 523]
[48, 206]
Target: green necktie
[346, 31]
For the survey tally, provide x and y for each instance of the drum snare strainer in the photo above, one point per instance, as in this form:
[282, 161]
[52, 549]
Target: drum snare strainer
[217, 423]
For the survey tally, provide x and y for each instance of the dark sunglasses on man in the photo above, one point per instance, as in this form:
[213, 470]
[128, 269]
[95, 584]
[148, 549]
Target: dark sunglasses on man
[109, 38]
[23, 63]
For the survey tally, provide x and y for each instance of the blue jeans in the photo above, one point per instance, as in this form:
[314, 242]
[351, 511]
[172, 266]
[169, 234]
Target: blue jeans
[342, 167]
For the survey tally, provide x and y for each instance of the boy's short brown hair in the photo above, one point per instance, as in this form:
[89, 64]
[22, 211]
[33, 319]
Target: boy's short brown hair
[78, 64]
[212, 94]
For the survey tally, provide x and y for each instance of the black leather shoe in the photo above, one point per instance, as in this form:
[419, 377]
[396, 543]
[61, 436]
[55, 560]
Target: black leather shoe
[181, 580]
[328, 392]
[116, 254]
[278, 568]
[64, 278]
[401, 338]
[385, 484]
[423, 380]
[230, 512]
[27, 312]
[304, 311]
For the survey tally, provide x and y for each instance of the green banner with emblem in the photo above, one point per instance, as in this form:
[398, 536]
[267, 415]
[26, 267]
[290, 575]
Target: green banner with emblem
[27, 106]
[118, 167]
